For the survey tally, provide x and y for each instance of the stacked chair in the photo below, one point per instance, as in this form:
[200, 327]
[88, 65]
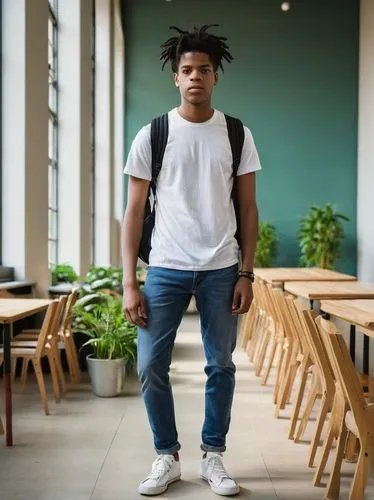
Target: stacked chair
[32, 345]
[312, 366]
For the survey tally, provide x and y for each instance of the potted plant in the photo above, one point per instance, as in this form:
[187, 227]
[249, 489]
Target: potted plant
[321, 235]
[63, 273]
[266, 248]
[113, 343]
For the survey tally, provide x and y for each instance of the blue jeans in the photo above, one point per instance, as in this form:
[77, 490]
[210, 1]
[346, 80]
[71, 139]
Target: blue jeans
[168, 293]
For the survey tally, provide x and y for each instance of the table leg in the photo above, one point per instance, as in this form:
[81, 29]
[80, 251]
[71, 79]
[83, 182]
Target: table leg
[352, 342]
[8, 385]
[366, 354]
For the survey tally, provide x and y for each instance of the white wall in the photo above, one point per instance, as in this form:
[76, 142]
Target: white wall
[365, 195]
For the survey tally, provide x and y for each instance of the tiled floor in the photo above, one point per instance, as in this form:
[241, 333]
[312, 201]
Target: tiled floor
[100, 449]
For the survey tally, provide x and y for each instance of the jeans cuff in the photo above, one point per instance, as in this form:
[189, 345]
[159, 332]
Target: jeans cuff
[169, 451]
[213, 449]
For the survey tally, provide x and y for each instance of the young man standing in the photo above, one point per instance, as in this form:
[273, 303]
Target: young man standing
[194, 253]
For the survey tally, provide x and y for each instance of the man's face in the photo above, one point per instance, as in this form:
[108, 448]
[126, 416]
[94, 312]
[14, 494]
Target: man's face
[196, 77]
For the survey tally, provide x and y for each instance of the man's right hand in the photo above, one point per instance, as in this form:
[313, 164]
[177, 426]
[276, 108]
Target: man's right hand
[134, 307]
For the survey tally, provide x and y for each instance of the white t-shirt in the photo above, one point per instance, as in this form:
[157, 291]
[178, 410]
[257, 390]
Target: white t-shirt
[195, 218]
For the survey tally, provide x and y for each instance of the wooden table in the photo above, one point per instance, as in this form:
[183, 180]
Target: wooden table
[12, 310]
[279, 275]
[325, 290]
[357, 313]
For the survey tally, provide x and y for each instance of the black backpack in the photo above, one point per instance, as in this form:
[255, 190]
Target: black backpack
[159, 139]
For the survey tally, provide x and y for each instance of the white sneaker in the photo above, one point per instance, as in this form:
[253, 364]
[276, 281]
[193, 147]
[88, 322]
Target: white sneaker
[213, 471]
[165, 470]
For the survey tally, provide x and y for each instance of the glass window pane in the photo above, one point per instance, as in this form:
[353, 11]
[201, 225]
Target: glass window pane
[52, 133]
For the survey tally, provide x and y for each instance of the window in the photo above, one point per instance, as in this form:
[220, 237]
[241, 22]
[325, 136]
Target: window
[53, 133]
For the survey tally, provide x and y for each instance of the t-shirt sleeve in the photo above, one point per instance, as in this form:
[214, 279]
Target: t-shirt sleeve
[139, 160]
[250, 162]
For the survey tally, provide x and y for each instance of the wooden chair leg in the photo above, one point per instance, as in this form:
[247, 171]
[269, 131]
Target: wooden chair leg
[251, 350]
[361, 473]
[278, 372]
[335, 424]
[288, 384]
[327, 445]
[70, 361]
[60, 371]
[262, 353]
[280, 405]
[54, 376]
[25, 366]
[74, 360]
[312, 397]
[247, 327]
[14, 368]
[323, 411]
[333, 486]
[350, 448]
[299, 400]
[41, 385]
[291, 382]
[270, 361]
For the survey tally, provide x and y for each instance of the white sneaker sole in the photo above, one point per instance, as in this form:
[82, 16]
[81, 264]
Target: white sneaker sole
[150, 492]
[224, 492]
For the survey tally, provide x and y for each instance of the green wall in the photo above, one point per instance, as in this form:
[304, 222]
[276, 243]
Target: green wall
[293, 82]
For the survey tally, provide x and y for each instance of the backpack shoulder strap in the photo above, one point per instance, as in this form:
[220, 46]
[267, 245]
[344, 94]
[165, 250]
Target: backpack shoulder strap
[235, 131]
[159, 140]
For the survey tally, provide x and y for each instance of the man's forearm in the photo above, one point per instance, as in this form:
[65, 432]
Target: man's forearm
[132, 228]
[248, 234]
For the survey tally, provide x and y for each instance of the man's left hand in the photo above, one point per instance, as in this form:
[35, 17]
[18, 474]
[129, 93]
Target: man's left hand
[243, 296]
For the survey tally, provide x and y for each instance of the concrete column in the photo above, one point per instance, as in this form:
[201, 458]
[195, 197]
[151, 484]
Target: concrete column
[75, 115]
[25, 139]
[103, 134]
[119, 118]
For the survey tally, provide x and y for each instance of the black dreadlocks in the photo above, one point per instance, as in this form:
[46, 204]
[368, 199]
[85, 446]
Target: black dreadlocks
[197, 41]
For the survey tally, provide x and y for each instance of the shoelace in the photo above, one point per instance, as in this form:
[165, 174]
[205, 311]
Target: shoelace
[159, 467]
[218, 467]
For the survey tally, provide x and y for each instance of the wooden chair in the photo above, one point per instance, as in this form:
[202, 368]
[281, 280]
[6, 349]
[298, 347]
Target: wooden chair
[53, 338]
[249, 322]
[291, 347]
[325, 375]
[65, 336]
[42, 349]
[261, 325]
[268, 333]
[307, 365]
[358, 419]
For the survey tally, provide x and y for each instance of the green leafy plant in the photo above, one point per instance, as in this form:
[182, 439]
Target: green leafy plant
[99, 278]
[266, 248]
[63, 273]
[110, 335]
[321, 235]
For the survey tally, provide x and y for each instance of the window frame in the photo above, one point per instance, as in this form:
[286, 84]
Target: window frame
[53, 143]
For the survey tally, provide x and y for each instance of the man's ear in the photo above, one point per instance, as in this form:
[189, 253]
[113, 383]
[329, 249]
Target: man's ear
[176, 79]
[216, 78]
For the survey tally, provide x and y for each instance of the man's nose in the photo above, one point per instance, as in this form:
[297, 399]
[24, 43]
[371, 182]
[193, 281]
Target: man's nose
[195, 75]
